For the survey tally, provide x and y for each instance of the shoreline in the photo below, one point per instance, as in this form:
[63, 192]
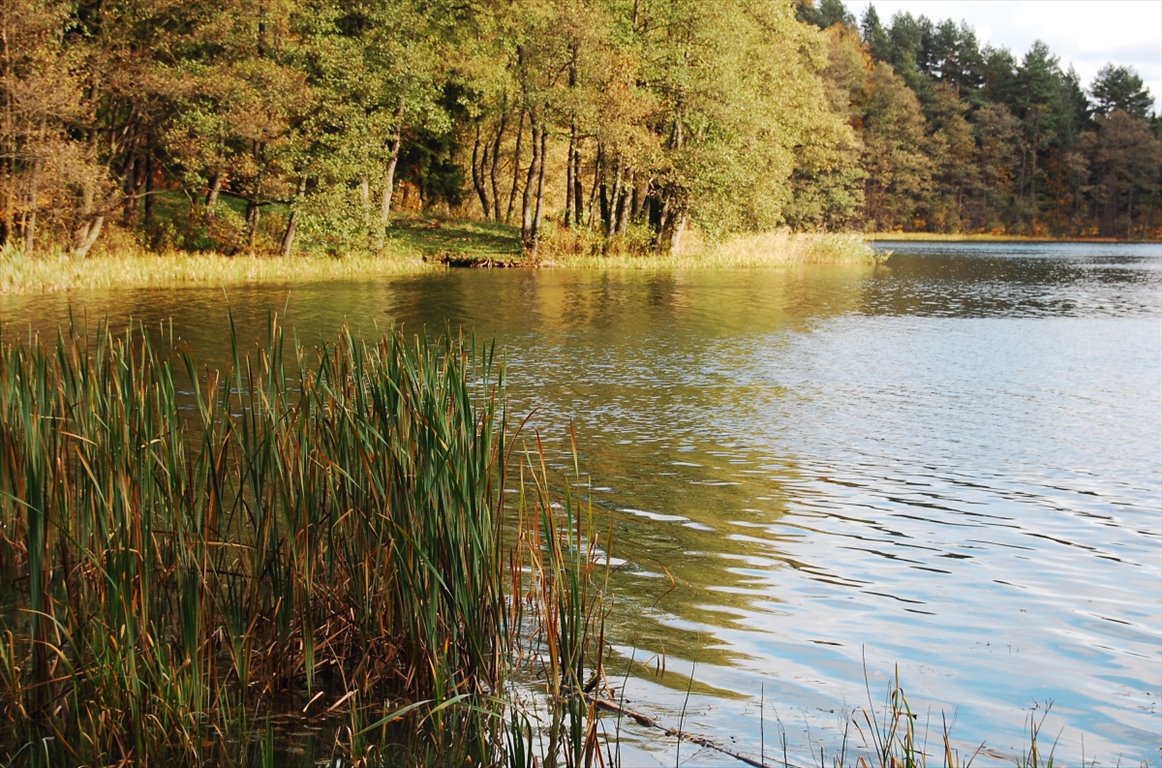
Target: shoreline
[959, 237]
[416, 248]
[425, 247]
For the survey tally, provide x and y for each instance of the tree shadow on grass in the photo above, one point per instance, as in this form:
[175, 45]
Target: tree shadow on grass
[459, 240]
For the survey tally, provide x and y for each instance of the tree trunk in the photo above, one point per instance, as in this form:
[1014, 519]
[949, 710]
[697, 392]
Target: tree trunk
[7, 223]
[389, 178]
[147, 187]
[617, 199]
[667, 218]
[288, 234]
[597, 173]
[387, 191]
[132, 188]
[477, 168]
[292, 221]
[30, 213]
[365, 210]
[676, 236]
[526, 199]
[385, 200]
[638, 197]
[252, 216]
[578, 187]
[520, 127]
[213, 192]
[29, 232]
[653, 208]
[90, 233]
[663, 231]
[573, 191]
[1130, 208]
[540, 190]
[568, 220]
[91, 225]
[496, 146]
[602, 190]
[8, 150]
[533, 209]
[621, 212]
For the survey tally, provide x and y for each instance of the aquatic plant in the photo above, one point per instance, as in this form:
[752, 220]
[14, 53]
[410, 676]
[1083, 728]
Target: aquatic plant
[352, 534]
[779, 248]
[190, 550]
[415, 246]
[134, 266]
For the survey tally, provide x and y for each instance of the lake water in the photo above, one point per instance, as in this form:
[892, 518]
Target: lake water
[950, 464]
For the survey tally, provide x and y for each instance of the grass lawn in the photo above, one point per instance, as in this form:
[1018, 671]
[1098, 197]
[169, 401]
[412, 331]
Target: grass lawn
[458, 239]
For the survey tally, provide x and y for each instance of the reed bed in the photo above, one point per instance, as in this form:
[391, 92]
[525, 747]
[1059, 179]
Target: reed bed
[351, 536]
[134, 266]
[416, 247]
[189, 550]
[780, 248]
[785, 247]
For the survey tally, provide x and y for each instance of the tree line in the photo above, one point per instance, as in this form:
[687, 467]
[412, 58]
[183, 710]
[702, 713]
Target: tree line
[624, 122]
[962, 137]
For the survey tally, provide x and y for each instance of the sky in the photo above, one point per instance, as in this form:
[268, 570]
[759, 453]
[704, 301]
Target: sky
[1085, 33]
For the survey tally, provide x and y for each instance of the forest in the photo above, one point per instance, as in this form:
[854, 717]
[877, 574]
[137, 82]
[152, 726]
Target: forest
[280, 126]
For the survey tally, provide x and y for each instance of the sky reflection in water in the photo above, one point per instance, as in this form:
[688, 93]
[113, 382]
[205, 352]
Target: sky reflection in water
[952, 463]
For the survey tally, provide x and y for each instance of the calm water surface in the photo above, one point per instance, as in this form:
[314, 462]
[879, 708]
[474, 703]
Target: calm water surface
[951, 463]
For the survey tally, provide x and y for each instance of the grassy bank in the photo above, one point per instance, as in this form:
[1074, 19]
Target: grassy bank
[136, 267]
[187, 554]
[415, 246]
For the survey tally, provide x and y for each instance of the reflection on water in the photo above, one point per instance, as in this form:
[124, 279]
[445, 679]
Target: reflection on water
[1028, 280]
[952, 462]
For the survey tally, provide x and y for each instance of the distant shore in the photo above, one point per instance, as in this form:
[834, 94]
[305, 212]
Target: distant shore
[426, 245]
[958, 237]
[416, 246]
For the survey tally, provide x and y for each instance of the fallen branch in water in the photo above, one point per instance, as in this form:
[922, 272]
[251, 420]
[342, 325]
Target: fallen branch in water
[612, 706]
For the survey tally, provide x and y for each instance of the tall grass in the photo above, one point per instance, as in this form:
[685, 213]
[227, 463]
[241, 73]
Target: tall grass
[778, 248]
[562, 617]
[135, 266]
[416, 246]
[189, 548]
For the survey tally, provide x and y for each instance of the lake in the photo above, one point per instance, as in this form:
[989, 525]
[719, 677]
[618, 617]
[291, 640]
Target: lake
[949, 464]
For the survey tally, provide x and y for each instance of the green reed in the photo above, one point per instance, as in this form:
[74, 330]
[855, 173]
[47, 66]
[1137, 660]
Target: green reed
[189, 547]
[567, 581]
[187, 553]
